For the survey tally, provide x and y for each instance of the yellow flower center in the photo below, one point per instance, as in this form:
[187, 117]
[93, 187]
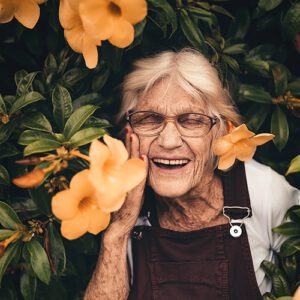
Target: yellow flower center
[114, 9]
[87, 203]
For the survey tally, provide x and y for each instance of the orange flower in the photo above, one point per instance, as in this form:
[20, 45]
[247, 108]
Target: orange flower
[31, 179]
[27, 12]
[112, 20]
[4, 244]
[77, 208]
[75, 32]
[297, 294]
[239, 144]
[112, 174]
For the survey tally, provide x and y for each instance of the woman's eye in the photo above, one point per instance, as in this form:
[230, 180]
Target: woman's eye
[149, 119]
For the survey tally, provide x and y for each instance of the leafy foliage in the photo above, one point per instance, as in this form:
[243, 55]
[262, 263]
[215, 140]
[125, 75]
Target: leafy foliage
[51, 104]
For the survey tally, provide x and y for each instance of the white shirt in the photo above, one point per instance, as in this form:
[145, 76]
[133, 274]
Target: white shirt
[270, 197]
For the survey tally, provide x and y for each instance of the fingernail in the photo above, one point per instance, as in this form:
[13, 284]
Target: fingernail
[142, 157]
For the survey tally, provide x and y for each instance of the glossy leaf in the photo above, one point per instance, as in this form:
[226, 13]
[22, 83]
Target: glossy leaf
[41, 198]
[262, 52]
[91, 98]
[57, 249]
[6, 233]
[37, 121]
[28, 284]
[50, 65]
[6, 130]
[256, 115]
[8, 256]
[4, 176]
[280, 128]
[19, 75]
[268, 5]
[72, 77]
[221, 10]
[25, 100]
[30, 136]
[291, 21]
[294, 87]
[288, 247]
[39, 260]
[239, 27]
[100, 79]
[192, 32]
[25, 84]
[269, 296]
[280, 78]
[62, 105]
[257, 67]
[8, 218]
[8, 150]
[294, 166]
[3, 110]
[77, 119]
[85, 136]
[255, 93]
[290, 267]
[289, 229]
[41, 146]
[236, 49]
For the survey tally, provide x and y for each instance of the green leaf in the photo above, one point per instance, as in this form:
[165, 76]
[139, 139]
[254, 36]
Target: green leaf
[96, 122]
[100, 79]
[4, 176]
[8, 218]
[73, 76]
[91, 98]
[269, 296]
[41, 146]
[9, 254]
[231, 62]
[8, 150]
[62, 105]
[39, 260]
[37, 121]
[288, 229]
[85, 136]
[6, 130]
[236, 49]
[42, 199]
[25, 85]
[280, 78]
[192, 32]
[262, 52]
[221, 10]
[50, 65]
[280, 128]
[290, 267]
[257, 67]
[255, 93]
[294, 87]
[288, 247]
[30, 136]
[256, 115]
[280, 285]
[239, 27]
[285, 298]
[25, 100]
[77, 119]
[6, 233]
[19, 75]
[3, 110]
[168, 13]
[57, 250]
[28, 284]
[267, 5]
[294, 165]
[291, 22]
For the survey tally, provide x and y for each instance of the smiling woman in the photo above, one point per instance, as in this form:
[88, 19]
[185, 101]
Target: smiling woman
[199, 234]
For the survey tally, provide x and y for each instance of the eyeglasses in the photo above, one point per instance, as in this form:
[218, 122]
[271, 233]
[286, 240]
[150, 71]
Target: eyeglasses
[149, 123]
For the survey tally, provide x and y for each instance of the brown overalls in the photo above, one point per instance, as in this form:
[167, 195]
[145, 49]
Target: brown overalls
[205, 264]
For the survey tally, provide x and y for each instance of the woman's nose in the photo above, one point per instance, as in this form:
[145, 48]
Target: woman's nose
[169, 137]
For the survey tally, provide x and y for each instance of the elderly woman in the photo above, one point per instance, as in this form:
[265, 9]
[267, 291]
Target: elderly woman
[199, 234]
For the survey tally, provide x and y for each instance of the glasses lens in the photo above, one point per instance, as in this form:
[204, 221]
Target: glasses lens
[193, 124]
[146, 122]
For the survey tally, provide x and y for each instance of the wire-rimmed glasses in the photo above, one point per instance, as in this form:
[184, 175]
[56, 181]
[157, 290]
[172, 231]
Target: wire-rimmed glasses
[149, 123]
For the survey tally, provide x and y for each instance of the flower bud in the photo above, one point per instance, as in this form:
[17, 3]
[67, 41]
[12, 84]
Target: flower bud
[31, 179]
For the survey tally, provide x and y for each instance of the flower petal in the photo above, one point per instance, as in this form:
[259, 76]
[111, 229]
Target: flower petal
[96, 19]
[7, 10]
[239, 133]
[111, 200]
[65, 204]
[81, 185]
[75, 227]
[27, 13]
[123, 33]
[40, 1]
[90, 52]
[261, 139]
[74, 38]
[99, 220]
[132, 173]
[67, 16]
[222, 145]
[133, 10]
[244, 150]
[118, 152]
[226, 160]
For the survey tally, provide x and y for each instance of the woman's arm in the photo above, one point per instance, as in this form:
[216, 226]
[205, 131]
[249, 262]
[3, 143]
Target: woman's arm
[110, 279]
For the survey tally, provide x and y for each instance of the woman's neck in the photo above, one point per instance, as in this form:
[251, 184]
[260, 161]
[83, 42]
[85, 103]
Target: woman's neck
[199, 208]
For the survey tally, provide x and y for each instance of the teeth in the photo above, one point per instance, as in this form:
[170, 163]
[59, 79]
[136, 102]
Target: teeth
[171, 161]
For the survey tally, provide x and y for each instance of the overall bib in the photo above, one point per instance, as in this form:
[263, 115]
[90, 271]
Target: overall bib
[205, 264]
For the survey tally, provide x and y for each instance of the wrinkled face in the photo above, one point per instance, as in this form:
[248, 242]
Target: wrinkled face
[176, 163]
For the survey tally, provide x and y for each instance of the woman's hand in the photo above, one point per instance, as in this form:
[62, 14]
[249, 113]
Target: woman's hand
[124, 220]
